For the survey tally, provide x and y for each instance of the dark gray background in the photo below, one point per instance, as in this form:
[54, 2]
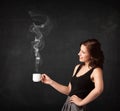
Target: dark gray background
[72, 23]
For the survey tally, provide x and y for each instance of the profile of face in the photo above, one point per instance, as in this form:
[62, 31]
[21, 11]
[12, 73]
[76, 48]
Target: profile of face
[84, 55]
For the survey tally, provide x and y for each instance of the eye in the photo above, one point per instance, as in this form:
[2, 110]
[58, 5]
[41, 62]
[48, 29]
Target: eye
[83, 51]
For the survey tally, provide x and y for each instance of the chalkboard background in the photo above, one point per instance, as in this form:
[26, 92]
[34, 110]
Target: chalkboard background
[71, 23]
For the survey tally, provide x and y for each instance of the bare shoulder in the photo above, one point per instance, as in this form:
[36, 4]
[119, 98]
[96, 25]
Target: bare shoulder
[77, 66]
[97, 71]
[75, 69]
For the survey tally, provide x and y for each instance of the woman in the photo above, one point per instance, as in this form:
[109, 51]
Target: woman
[87, 80]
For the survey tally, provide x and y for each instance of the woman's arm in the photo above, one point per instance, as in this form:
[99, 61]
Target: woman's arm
[59, 87]
[97, 77]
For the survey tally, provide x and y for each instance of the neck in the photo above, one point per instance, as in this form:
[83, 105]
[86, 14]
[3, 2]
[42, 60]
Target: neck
[86, 64]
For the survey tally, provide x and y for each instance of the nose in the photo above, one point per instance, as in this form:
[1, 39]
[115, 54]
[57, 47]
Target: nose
[79, 53]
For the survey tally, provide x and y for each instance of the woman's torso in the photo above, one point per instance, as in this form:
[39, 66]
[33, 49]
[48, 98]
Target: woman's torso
[81, 85]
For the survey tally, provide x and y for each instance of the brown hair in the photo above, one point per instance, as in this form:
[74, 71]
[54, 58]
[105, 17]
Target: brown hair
[94, 48]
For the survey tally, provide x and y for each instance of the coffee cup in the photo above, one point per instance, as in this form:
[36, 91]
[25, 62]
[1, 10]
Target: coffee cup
[36, 77]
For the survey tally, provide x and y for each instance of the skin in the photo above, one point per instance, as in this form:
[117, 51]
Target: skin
[96, 77]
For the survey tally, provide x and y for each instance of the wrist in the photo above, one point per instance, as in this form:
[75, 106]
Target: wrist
[80, 104]
[51, 82]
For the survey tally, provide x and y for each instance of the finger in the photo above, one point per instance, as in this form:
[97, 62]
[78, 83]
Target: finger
[43, 76]
[74, 96]
[71, 101]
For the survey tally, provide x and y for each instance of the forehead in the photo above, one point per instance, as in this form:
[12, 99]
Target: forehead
[84, 48]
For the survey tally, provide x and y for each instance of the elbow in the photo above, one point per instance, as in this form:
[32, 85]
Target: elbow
[99, 91]
[67, 91]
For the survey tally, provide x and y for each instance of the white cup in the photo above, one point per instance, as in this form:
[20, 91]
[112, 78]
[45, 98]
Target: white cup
[36, 77]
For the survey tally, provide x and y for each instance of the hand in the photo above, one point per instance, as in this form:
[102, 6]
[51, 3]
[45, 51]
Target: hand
[46, 79]
[75, 99]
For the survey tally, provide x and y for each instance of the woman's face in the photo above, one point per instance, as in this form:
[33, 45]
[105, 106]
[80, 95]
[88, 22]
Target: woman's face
[83, 54]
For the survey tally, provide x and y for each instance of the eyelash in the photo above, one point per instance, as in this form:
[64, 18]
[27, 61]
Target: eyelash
[82, 52]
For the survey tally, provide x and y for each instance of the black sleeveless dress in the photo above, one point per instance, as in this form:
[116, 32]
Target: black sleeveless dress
[81, 86]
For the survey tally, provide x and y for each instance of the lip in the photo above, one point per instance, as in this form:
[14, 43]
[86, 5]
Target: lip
[80, 57]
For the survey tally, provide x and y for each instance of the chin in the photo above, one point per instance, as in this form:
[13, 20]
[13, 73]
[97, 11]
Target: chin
[80, 60]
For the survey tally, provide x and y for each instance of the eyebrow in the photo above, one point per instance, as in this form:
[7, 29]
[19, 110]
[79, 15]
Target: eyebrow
[82, 50]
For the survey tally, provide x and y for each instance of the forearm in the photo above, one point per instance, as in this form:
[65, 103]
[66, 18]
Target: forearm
[91, 96]
[59, 87]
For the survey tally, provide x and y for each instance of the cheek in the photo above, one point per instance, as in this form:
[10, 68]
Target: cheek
[86, 57]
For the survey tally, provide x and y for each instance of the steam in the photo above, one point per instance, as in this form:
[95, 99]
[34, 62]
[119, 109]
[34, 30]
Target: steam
[41, 26]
